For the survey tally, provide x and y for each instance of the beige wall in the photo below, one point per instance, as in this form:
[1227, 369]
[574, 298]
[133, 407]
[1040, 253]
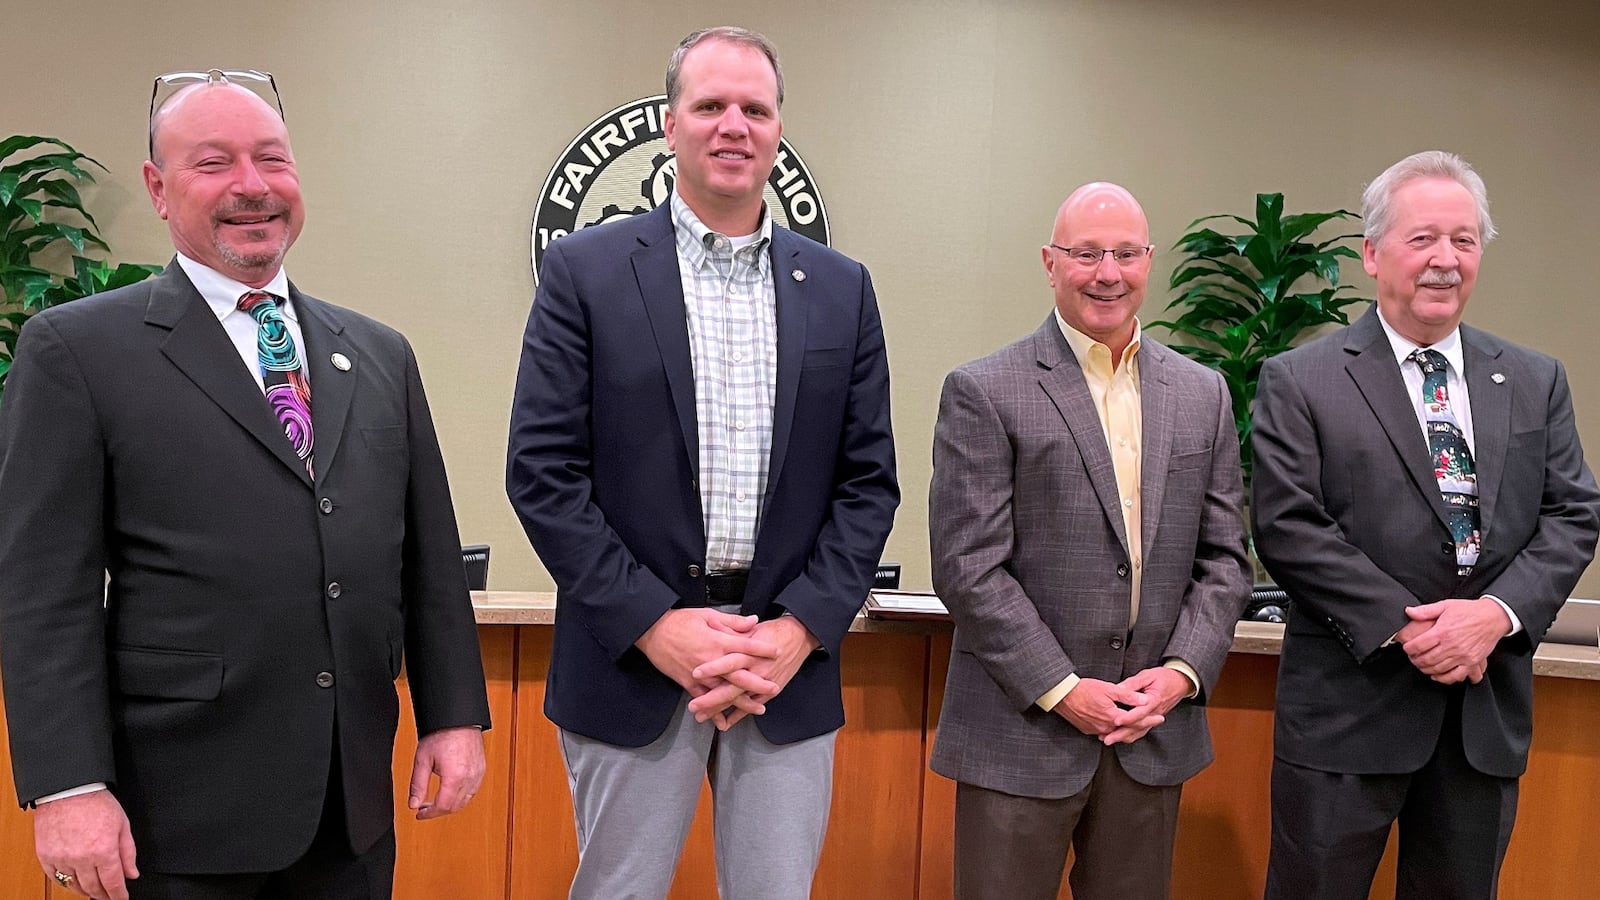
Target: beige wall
[942, 134]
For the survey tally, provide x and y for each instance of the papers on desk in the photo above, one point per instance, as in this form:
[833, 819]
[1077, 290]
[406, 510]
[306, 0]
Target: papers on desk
[905, 605]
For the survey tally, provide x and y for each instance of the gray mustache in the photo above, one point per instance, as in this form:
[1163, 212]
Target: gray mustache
[1439, 278]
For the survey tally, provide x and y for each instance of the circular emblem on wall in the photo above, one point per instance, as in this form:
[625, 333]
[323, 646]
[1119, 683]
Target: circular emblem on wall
[620, 166]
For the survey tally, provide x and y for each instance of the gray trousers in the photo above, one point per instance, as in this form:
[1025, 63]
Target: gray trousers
[634, 805]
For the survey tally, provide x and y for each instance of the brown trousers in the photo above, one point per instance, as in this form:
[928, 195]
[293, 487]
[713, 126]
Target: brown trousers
[1120, 832]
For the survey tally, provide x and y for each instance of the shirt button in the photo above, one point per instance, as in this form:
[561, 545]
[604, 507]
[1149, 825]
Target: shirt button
[334, 591]
[739, 425]
[737, 356]
[739, 496]
[1122, 442]
[695, 571]
[325, 505]
[324, 679]
[1128, 502]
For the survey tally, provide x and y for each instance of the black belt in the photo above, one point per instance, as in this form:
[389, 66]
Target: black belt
[726, 588]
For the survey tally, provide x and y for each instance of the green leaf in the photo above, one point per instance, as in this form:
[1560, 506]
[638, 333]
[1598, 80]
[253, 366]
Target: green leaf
[8, 186]
[33, 208]
[22, 142]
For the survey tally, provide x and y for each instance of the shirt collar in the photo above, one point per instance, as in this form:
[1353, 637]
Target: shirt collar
[1082, 345]
[1449, 345]
[694, 238]
[222, 293]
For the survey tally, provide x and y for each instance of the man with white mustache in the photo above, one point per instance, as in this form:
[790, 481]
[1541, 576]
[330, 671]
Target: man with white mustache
[1421, 493]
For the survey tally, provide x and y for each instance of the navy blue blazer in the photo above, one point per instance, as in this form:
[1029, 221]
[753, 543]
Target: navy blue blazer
[603, 460]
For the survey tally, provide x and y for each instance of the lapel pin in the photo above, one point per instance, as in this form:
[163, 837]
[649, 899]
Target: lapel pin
[341, 362]
[1497, 378]
[798, 274]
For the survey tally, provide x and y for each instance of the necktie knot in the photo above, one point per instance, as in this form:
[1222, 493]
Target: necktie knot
[1430, 361]
[259, 305]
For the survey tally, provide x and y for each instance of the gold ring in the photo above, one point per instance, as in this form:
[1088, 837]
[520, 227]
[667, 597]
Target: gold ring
[65, 879]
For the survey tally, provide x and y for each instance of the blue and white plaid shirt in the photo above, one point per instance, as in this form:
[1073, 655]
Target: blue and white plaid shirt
[733, 343]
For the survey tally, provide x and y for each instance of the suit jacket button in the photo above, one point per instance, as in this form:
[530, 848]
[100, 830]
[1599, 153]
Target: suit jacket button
[334, 591]
[1116, 643]
[325, 505]
[324, 679]
[695, 571]
[1122, 570]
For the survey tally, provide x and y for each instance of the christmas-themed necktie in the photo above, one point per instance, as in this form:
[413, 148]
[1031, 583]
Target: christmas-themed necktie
[282, 376]
[1452, 459]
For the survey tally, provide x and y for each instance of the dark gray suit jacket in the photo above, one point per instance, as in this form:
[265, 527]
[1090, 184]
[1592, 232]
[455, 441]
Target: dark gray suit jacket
[1350, 521]
[1030, 554]
[184, 614]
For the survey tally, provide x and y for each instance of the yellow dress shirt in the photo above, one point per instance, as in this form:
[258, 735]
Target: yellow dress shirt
[1115, 391]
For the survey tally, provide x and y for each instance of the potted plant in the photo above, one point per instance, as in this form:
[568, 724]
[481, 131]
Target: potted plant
[1246, 297]
[35, 191]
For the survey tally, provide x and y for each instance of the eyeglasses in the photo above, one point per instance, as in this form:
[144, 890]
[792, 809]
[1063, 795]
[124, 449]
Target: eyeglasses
[1090, 257]
[249, 78]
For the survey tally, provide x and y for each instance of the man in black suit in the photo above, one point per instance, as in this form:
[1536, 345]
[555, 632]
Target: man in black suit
[1421, 493]
[208, 588]
[701, 455]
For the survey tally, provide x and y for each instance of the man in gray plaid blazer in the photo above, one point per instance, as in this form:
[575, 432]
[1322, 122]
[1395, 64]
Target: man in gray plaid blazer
[1087, 537]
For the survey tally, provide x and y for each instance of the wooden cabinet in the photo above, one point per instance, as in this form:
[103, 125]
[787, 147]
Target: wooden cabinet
[890, 831]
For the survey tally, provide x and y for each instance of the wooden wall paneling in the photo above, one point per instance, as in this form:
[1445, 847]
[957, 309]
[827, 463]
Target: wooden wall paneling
[935, 872]
[464, 854]
[1552, 844]
[873, 829]
[20, 878]
[544, 844]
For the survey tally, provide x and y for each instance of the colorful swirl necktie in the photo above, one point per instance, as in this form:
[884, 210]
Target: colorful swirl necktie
[1452, 459]
[282, 376]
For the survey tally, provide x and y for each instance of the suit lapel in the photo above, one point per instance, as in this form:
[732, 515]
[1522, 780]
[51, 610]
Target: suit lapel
[331, 387]
[655, 269]
[1373, 369]
[1155, 402]
[199, 347]
[1490, 401]
[792, 304]
[1064, 383]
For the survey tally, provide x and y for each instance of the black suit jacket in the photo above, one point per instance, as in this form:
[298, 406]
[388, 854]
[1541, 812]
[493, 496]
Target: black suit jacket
[603, 459]
[184, 615]
[1350, 521]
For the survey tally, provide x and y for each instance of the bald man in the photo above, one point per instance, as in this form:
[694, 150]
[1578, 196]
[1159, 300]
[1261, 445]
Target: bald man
[1087, 538]
[224, 523]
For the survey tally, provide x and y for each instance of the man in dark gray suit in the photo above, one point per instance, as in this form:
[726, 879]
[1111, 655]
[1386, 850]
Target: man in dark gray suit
[204, 610]
[1421, 493]
[1088, 539]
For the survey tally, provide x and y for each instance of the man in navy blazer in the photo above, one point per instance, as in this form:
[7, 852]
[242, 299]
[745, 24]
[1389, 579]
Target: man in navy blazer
[701, 455]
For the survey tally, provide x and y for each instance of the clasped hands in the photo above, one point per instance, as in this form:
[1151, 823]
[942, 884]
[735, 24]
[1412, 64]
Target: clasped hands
[1450, 641]
[731, 665]
[1123, 712]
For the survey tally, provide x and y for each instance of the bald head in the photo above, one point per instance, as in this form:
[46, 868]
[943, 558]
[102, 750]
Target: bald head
[1096, 203]
[1098, 293]
[223, 177]
[196, 98]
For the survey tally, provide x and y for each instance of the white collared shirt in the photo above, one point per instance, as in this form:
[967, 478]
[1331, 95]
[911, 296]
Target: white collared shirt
[222, 294]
